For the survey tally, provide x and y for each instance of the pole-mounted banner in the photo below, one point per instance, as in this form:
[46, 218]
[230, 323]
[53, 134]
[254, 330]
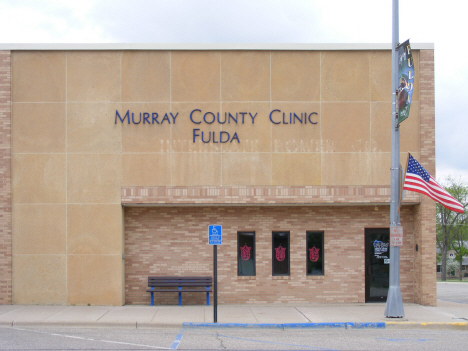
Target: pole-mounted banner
[406, 80]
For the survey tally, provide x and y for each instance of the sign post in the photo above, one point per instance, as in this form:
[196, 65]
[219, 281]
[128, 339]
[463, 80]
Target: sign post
[215, 238]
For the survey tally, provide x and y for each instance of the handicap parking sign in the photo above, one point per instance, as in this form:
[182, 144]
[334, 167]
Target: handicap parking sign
[215, 234]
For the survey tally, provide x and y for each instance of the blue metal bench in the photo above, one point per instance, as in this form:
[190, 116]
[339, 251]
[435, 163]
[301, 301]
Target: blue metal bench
[180, 285]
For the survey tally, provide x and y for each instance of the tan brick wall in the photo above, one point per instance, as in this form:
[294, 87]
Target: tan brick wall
[425, 233]
[174, 241]
[285, 195]
[5, 184]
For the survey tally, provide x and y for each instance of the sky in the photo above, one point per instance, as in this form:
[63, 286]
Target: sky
[442, 23]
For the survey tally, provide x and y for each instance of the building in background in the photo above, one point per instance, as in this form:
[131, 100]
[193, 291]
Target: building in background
[117, 158]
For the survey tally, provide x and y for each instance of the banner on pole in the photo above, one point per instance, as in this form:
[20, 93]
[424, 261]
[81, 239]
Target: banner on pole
[406, 76]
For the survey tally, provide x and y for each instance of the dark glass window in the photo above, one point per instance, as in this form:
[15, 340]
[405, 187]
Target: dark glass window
[246, 253]
[280, 253]
[314, 253]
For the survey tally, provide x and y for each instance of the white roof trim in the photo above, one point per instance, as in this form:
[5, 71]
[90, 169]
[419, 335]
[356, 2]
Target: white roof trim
[274, 47]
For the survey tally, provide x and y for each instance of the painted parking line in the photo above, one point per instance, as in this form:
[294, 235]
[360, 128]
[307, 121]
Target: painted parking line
[90, 339]
[177, 340]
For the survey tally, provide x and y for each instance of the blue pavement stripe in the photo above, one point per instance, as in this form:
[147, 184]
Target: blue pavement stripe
[379, 325]
[176, 342]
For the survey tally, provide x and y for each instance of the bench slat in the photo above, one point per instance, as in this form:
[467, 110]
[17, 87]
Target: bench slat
[179, 284]
[177, 290]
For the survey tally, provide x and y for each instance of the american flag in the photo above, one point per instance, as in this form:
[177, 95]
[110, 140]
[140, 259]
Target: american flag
[419, 180]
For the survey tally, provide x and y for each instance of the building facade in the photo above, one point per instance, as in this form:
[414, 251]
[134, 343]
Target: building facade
[116, 159]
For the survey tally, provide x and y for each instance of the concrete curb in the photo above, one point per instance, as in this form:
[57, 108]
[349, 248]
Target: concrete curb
[280, 326]
[344, 325]
[427, 325]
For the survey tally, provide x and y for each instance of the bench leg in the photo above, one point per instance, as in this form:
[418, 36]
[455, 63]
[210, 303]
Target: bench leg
[152, 297]
[180, 296]
[207, 296]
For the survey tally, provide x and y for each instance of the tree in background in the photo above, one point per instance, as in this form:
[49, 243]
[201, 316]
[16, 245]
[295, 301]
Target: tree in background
[451, 225]
[452, 266]
[461, 252]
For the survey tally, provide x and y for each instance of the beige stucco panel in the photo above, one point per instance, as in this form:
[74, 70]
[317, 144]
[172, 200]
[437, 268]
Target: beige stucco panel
[95, 279]
[380, 170]
[196, 169]
[93, 76]
[154, 136]
[381, 115]
[381, 75]
[40, 279]
[39, 229]
[346, 168]
[288, 134]
[94, 178]
[146, 169]
[184, 131]
[91, 128]
[345, 76]
[295, 76]
[38, 76]
[38, 127]
[253, 129]
[409, 130]
[39, 178]
[346, 127]
[245, 76]
[146, 76]
[94, 229]
[195, 75]
[296, 169]
[246, 169]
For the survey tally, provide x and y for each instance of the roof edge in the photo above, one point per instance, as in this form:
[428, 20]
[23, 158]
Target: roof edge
[207, 46]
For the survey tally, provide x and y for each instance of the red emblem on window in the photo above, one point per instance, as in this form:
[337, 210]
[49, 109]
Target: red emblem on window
[280, 253]
[245, 252]
[314, 254]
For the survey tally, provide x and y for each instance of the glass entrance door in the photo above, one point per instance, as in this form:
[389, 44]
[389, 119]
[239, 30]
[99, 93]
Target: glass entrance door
[377, 264]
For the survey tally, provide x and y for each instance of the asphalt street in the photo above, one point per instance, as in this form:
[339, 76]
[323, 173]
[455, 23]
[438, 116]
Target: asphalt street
[51, 339]
[98, 327]
[453, 291]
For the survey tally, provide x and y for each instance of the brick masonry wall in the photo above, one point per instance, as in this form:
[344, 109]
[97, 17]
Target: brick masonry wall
[215, 195]
[425, 234]
[5, 184]
[174, 241]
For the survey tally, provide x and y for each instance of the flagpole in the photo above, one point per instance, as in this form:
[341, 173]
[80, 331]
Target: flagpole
[394, 306]
[401, 185]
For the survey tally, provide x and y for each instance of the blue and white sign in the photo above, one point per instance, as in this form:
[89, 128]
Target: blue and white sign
[215, 234]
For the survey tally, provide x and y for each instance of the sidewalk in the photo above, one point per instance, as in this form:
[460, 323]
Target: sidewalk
[445, 315]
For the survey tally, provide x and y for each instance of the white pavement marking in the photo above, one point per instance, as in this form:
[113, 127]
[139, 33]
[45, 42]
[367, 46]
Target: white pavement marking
[90, 339]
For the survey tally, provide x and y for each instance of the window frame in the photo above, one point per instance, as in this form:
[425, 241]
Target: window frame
[322, 233]
[273, 253]
[244, 232]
